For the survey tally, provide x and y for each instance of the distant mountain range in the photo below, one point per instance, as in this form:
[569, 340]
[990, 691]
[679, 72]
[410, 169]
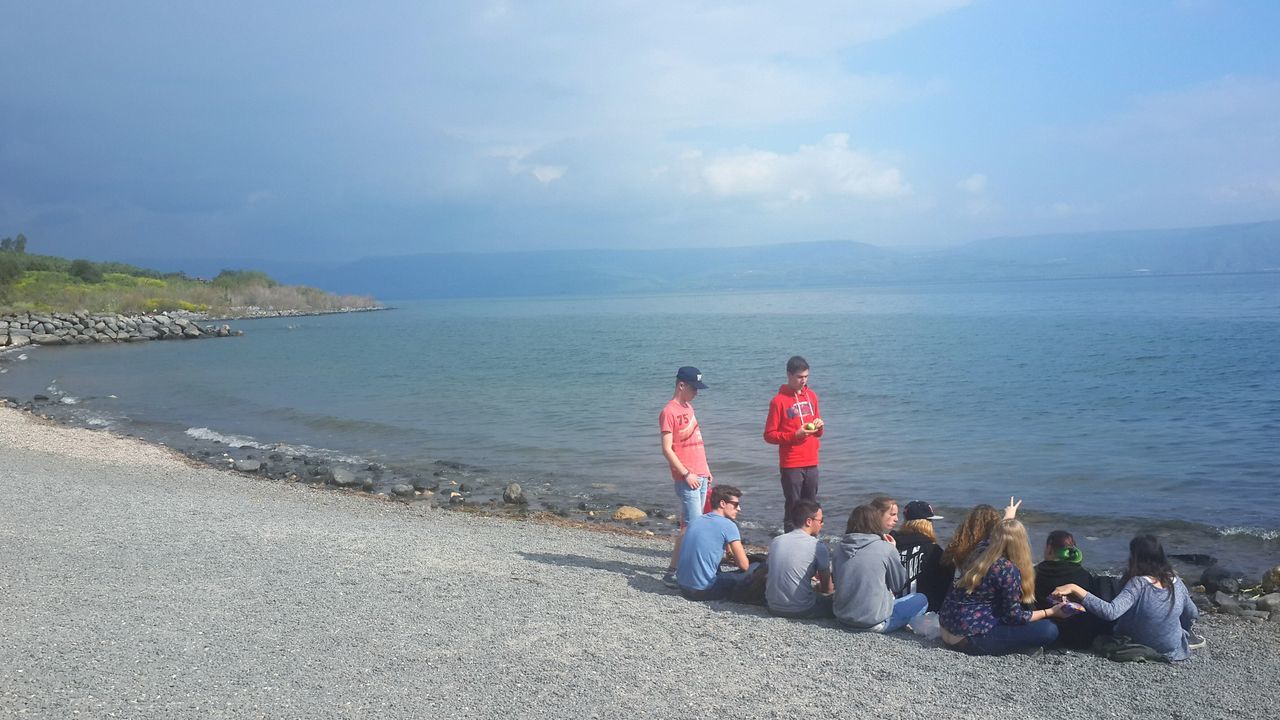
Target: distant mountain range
[1253, 247]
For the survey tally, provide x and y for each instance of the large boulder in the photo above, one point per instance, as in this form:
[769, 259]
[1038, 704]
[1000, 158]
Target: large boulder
[1217, 577]
[342, 477]
[1269, 602]
[249, 466]
[514, 495]
[627, 513]
[18, 340]
[1271, 580]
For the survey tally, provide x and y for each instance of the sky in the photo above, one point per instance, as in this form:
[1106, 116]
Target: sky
[335, 130]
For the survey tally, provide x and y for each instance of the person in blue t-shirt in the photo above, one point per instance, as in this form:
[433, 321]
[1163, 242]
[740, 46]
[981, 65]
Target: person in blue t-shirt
[698, 570]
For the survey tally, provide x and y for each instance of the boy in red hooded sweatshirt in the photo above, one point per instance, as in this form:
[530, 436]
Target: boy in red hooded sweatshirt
[795, 426]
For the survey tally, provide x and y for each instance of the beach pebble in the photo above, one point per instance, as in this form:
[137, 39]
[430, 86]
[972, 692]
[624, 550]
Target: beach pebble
[514, 495]
[627, 513]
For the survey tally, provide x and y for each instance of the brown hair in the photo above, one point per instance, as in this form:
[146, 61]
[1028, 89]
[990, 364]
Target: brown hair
[922, 526]
[1009, 541]
[723, 493]
[865, 519]
[975, 528]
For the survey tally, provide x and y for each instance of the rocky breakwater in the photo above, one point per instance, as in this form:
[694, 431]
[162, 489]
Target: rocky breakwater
[23, 329]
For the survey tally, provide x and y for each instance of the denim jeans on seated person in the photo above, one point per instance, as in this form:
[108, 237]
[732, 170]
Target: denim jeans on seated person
[1004, 639]
[726, 581]
[905, 609]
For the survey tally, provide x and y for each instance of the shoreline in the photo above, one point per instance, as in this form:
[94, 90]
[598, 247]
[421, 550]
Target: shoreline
[461, 485]
[145, 586]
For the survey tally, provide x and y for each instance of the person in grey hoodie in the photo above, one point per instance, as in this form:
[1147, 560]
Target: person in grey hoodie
[868, 574]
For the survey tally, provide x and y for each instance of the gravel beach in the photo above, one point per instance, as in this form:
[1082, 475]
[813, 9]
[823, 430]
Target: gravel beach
[137, 585]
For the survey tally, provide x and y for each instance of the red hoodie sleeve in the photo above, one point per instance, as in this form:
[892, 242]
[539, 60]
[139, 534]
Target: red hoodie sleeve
[774, 433]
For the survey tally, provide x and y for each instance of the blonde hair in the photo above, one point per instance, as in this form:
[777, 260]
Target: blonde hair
[1009, 541]
[975, 528]
[922, 526]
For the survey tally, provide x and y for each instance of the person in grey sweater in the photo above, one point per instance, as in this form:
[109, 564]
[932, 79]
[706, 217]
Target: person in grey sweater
[868, 573]
[1153, 609]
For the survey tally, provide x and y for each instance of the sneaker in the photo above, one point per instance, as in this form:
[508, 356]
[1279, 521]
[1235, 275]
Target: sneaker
[1195, 642]
[670, 580]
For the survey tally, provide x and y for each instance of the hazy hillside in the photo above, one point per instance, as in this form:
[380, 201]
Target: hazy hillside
[1222, 249]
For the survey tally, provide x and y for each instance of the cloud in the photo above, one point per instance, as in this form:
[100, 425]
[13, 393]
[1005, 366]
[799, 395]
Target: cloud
[827, 169]
[548, 173]
[515, 156]
[975, 184]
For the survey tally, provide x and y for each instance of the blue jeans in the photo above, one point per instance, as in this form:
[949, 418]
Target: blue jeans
[905, 609]
[1004, 639]
[692, 500]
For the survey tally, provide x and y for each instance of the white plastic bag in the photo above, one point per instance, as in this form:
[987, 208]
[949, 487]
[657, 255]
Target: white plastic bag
[926, 626]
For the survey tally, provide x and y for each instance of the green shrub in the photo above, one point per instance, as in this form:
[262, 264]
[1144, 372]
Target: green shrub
[86, 271]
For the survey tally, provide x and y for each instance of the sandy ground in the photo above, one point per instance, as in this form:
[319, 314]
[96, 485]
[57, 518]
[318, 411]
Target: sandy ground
[136, 585]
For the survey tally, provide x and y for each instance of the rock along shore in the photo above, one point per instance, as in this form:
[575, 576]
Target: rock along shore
[22, 329]
[138, 585]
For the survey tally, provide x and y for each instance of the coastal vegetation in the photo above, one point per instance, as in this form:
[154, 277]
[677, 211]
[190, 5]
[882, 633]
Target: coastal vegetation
[44, 283]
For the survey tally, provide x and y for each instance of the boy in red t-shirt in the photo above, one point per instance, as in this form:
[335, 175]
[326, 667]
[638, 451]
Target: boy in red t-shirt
[685, 454]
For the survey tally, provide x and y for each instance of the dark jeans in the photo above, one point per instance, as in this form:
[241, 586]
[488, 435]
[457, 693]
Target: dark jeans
[721, 588]
[821, 609]
[797, 483]
[1004, 639]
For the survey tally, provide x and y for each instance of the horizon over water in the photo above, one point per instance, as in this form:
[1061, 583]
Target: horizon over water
[1110, 405]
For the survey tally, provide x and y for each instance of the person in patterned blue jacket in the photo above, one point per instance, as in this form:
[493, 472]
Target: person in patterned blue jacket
[984, 612]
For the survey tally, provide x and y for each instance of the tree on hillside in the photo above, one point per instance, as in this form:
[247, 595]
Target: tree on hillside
[10, 271]
[85, 270]
[229, 279]
[6, 245]
[20, 243]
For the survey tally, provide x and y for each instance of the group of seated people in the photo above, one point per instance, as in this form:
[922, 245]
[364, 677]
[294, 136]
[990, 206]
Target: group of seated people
[989, 597]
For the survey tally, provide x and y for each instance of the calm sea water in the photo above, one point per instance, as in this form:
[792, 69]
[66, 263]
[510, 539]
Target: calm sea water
[1109, 405]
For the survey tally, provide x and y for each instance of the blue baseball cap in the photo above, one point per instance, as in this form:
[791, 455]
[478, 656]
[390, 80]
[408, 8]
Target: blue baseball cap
[692, 376]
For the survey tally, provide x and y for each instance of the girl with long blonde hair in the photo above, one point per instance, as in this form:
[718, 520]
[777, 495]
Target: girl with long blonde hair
[983, 613]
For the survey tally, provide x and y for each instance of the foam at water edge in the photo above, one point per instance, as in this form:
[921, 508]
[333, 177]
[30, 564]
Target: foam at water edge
[238, 441]
[204, 433]
[1256, 532]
